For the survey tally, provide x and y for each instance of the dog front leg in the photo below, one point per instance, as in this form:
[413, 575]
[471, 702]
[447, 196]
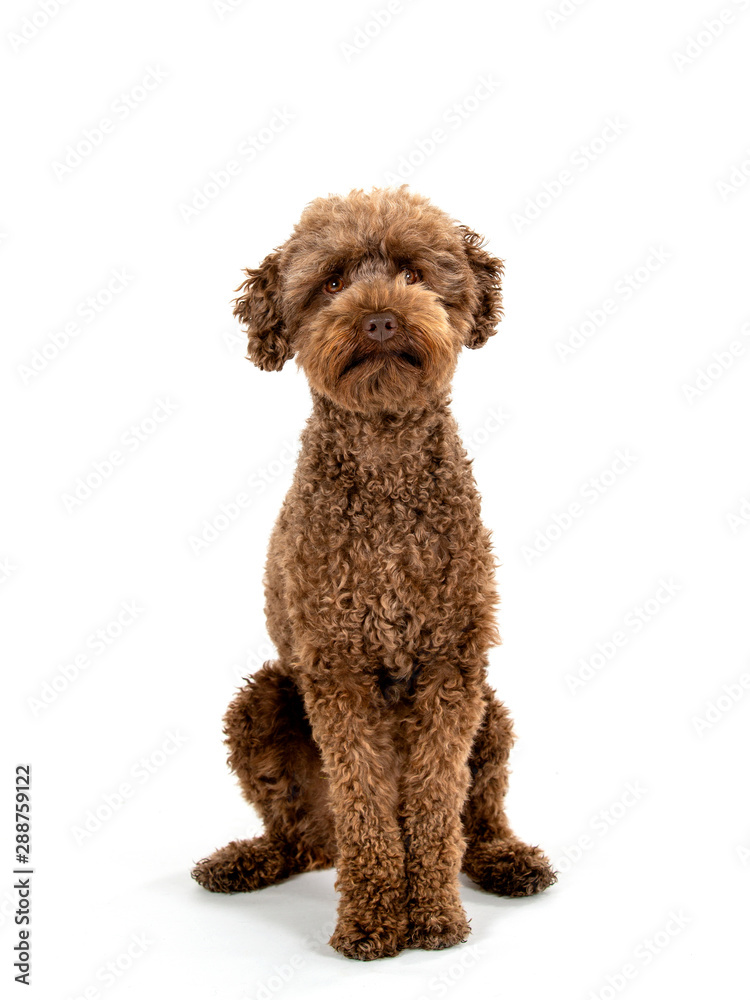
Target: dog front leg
[438, 733]
[359, 759]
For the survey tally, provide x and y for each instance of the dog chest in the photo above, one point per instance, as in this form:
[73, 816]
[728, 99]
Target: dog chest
[393, 568]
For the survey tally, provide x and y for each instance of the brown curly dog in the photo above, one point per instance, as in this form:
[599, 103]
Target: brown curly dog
[374, 742]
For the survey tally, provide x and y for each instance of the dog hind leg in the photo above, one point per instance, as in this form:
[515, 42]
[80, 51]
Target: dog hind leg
[278, 765]
[495, 858]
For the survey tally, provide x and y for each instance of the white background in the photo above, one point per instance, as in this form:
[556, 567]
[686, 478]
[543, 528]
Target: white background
[361, 101]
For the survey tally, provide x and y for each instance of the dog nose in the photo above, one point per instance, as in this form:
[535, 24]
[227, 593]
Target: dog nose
[380, 326]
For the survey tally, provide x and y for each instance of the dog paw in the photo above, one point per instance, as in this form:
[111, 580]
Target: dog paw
[355, 940]
[433, 931]
[509, 868]
[527, 873]
[242, 866]
[216, 875]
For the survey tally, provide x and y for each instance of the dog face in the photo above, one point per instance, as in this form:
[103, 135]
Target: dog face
[376, 293]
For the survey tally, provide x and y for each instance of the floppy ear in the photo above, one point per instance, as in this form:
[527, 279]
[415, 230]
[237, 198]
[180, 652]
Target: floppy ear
[488, 272]
[258, 307]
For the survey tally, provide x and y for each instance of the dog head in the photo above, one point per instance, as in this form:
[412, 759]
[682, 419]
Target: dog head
[375, 293]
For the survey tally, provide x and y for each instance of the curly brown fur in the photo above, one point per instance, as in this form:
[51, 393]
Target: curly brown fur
[374, 742]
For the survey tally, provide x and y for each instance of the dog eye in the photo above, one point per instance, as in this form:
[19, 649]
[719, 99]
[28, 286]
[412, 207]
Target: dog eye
[334, 284]
[411, 274]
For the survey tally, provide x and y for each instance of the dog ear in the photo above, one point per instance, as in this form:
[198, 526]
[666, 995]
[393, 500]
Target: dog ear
[488, 272]
[258, 307]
